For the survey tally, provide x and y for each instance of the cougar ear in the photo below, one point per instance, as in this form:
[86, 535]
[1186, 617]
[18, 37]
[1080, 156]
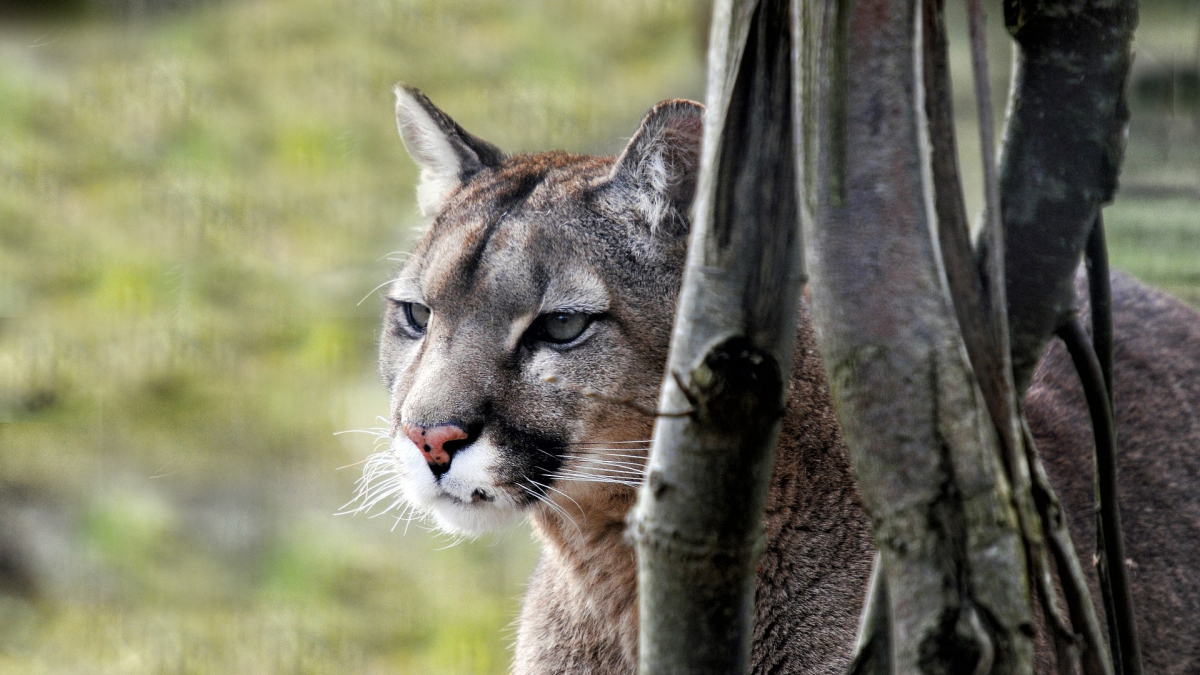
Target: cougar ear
[447, 154]
[657, 171]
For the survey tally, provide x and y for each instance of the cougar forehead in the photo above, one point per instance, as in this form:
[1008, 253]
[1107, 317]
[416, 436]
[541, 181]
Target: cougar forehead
[510, 233]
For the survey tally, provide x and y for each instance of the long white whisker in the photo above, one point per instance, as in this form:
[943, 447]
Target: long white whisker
[550, 487]
[555, 507]
[647, 441]
[604, 456]
[616, 468]
[607, 471]
[412, 515]
[389, 281]
[455, 541]
[353, 464]
[406, 514]
[601, 476]
[388, 256]
[593, 478]
[601, 469]
[602, 460]
[376, 431]
[396, 502]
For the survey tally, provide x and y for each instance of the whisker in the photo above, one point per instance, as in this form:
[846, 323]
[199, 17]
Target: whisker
[397, 502]
[593, 478]
[615, 454]
[550, 487]
[389, 281]
[617, 467]
[598, 463]
[610, 474]
[408, 515]
[376, 431]
[601, 473]
[396, 523]
[457, 539]
[353, 464]
[605, 459]
[413, 515]
[547, 453]
[596, 479]
[388, 256]
[555, 507]
[609, 442]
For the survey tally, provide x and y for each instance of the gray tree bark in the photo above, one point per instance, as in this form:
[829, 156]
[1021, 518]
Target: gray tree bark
[925, 451]
[1062, 155]
[1063, 148]
[698, 523]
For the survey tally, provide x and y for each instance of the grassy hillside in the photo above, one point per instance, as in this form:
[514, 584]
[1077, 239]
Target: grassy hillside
[194, 210]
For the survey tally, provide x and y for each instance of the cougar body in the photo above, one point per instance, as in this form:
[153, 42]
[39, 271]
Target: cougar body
[524, 344]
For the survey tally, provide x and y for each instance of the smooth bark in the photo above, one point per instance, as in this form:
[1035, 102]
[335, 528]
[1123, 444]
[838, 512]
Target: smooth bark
[919, 437]
[698, 523]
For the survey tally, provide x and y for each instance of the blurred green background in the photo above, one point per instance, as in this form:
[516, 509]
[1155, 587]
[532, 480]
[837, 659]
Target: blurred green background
[194, 199]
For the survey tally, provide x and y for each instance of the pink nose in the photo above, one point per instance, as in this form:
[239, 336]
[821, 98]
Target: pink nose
[432, 442]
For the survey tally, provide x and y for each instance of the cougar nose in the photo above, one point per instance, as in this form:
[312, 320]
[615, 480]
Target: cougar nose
[437, 444]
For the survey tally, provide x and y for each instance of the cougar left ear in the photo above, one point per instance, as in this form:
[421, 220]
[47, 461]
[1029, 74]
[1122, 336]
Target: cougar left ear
[657, 171]
[447, 154]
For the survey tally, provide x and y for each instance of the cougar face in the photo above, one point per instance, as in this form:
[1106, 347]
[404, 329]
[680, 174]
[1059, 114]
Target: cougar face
[524, 340]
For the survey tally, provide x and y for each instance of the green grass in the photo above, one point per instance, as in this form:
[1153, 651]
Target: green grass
[191, 209]
[1157, 242]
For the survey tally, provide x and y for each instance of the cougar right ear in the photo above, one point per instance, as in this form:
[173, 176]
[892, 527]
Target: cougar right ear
[447, 154]
[657, 170]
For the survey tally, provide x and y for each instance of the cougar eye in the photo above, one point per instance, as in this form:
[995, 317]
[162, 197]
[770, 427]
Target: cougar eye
[562, 327]
[417, 316]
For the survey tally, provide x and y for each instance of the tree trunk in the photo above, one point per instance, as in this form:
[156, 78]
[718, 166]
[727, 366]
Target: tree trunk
[698, 524]
[919, 437]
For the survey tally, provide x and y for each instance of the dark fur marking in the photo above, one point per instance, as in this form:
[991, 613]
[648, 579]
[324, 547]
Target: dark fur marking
[542, 453]
[505, 203]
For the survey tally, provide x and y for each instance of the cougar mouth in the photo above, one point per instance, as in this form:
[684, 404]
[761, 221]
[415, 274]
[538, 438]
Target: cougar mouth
[488, 484]
[501, 475]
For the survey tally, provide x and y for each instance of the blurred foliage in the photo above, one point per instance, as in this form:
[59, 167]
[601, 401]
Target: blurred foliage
[192, 207]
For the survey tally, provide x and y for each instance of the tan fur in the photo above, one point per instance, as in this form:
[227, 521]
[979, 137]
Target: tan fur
[515, 231]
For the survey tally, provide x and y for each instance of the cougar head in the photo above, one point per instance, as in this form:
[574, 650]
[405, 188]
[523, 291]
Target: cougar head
[524, 340]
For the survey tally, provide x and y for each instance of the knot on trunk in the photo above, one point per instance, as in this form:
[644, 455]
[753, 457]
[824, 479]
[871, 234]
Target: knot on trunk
[737, 385]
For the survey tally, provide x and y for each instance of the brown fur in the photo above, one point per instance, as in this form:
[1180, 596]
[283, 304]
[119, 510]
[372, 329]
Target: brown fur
[489, 257]
[1157, 383]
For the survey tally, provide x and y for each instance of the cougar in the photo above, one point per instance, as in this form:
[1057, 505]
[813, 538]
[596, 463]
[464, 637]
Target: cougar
[523, 346]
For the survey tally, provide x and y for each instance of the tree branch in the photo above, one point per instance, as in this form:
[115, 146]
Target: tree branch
[1110, 546]
[1095, 654]
[1062, 153]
